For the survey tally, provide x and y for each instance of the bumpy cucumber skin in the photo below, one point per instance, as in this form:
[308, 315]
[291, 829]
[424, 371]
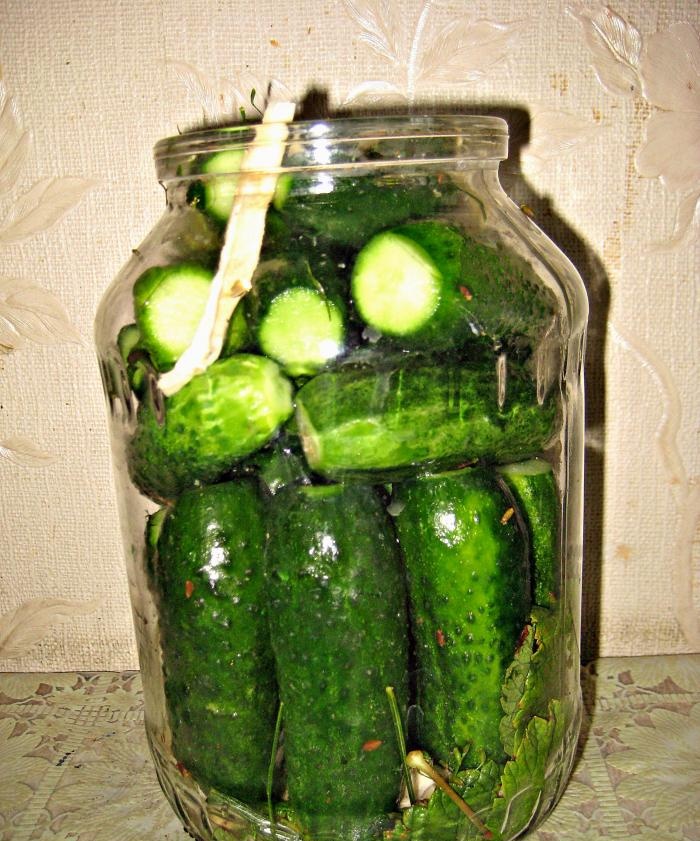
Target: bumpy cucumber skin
[485, 292]
[538, 501]
[337, 615]
[218, 418]
[219, 672]
[469, 595]
[378, 421]
[359, 207]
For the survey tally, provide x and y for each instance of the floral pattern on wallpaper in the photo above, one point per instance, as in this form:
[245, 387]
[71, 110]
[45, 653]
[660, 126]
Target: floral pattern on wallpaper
[426, 54]
[664, 70]
[30, 313]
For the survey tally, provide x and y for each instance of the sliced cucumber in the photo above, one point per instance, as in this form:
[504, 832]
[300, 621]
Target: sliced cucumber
[218, 193]
[296, 316]
[302, 330]
[430, 285]
[396, 286]
[168, 305]
[533, 485]
[215, 194]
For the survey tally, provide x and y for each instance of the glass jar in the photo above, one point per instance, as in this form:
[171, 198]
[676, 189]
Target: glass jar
[354, 539]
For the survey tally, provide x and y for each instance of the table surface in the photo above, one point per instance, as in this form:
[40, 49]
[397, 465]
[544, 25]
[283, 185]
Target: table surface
[74, 764]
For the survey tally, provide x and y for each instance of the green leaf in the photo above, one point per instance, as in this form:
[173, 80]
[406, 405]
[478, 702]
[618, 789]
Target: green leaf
[532, 679]
[523, 789]
[441, 819]
[514, 688]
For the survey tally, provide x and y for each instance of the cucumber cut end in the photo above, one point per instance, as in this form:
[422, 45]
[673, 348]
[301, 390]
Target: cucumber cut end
[302, 330]
[321, 491]
[128, 338]
[220, 192]
[169, 303]
[310, 440]
[396, 285]
[529, 467]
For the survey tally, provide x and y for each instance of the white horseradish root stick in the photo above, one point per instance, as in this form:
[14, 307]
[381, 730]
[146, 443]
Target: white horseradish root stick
[241, 249]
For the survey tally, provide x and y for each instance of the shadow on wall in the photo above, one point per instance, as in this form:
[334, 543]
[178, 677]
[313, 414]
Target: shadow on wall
[315, 105]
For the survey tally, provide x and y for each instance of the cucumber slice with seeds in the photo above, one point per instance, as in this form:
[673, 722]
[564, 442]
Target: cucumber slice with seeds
[168, 304]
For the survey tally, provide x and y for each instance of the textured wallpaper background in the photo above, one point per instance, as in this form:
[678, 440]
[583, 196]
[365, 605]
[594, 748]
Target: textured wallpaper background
[604, 105]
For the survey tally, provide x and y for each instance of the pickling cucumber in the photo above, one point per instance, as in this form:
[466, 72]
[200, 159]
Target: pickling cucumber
[296, 315]
[168, 304]
[337, 616]
[201, 431]
[469, 599]
[353, 208]
[215, 194]
[533, 485]
[217, 661]
[430, 284]
[136, 360]
[359, 420]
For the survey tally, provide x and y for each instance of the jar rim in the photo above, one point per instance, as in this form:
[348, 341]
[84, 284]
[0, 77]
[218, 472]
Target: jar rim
[348, 142]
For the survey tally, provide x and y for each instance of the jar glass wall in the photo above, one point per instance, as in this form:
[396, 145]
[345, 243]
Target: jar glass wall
[354, 540]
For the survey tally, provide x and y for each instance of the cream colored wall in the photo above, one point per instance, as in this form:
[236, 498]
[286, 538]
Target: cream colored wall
[97, 83]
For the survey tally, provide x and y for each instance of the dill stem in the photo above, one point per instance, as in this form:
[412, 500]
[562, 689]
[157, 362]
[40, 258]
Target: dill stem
[415, 759]
[398, 727]
[271, 767]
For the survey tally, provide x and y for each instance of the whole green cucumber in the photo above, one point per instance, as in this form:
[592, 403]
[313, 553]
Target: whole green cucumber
[467, 567]
[358, 206]
[217, 660]
[534, 487]
[368, 419]
[219, 417]
[339, 633]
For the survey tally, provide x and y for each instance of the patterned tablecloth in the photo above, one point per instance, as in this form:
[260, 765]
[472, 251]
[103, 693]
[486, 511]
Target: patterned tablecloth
[74, 764]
